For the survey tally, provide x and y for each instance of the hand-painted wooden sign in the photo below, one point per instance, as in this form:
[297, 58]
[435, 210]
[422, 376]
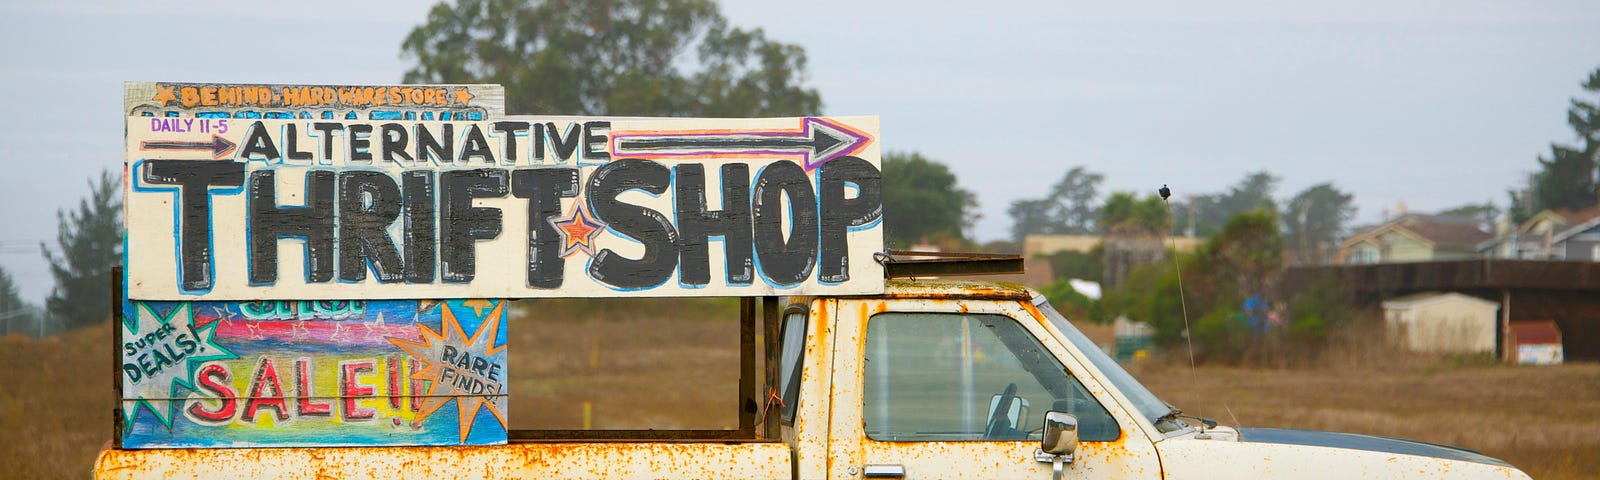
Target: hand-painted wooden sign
[313, 373]
[321, 102]
[305, 209]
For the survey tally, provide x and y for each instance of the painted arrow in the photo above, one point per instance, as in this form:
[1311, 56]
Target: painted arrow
[818, 141]
[219, 147]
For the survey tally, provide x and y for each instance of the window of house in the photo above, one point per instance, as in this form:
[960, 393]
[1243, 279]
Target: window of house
[939, 377]
[1364, 254]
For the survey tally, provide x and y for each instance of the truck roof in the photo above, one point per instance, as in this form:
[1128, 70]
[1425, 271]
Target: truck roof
[954, 288]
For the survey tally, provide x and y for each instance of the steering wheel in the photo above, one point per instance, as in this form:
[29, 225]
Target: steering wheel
[999, 426]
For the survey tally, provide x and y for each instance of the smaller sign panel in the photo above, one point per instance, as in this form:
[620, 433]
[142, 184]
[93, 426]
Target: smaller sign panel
[318, 102]
[313, 373]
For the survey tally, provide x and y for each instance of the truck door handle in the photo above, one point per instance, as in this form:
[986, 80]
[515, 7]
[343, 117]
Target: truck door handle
[883, 471]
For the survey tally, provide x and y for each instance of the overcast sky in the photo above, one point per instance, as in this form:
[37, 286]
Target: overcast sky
[1430, 103]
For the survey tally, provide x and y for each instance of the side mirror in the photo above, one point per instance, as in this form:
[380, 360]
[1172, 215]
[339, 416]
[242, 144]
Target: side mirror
[1015, 415]
[1060, 433]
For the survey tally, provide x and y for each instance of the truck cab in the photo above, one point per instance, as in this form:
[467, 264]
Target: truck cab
[931, 379]
[953, 380]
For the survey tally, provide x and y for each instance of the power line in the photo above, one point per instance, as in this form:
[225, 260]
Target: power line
[17, 313]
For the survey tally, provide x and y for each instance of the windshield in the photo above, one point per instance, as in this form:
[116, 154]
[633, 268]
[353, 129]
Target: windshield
[1149, 406]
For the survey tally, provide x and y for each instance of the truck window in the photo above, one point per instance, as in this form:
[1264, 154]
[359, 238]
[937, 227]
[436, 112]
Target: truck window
[794, 346]
[938, 377]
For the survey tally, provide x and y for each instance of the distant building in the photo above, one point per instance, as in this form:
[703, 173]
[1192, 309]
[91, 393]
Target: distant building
[1537, 342]
[1550, 235]
[1442, 323]
[1415, 238]
[1120, 255]
[1045, 245]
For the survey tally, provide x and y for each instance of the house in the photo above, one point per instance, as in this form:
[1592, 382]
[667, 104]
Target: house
[1415, 238]
[1436, 322]
[1551, 235]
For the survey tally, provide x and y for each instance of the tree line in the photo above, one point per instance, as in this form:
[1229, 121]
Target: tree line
[88, 245]
[683, 58]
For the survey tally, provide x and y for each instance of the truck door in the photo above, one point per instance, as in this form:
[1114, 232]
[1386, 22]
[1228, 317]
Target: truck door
[918, 384]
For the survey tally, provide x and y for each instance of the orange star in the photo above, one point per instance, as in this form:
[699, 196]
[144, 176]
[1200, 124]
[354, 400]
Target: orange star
[578, 232]
[163, 94]
[440, 392]
[463, 95]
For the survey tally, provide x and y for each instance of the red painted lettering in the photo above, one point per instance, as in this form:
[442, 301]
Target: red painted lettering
[351, 387]
[265, 378]
[304, 405]
[394, 382]
[213, 379]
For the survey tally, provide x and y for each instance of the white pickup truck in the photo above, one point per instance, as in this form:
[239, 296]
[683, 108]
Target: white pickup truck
[931, 379]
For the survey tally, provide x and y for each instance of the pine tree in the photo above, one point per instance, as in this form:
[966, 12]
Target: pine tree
[89, 244]
[15, 315]
[1567, 178]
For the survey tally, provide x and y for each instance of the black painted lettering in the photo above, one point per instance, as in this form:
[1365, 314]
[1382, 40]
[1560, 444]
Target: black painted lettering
[697, 224]
[257, 142]
[785, 262]
[291, 143]
[392, 142]
[594, 141]
[461, 224]
[368, 203]
[428, 146]
[839, 214]
[194, 181]
[312, 222]
[475, 146]
[538, 141]
[644, 225]
[360, 142]
[508, 138]
[544, 188]
[328, 129]
[419, 225]
[564, 143]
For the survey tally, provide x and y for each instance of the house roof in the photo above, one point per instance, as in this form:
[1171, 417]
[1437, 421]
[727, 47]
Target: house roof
[1419, 299]
[1449, 234]
[1543, 331]
[1559, 218]
[1577, 222]
[1579, 216]
[1438, 231]
[1585, 226]
[1565, 224]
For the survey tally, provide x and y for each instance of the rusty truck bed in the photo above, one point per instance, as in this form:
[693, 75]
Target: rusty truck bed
[517, 460]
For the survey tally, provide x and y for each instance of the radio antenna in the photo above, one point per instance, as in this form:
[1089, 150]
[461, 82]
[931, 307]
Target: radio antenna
[1188, 333]
[1188, 336]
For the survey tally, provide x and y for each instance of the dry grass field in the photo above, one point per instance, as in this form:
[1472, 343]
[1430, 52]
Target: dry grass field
[660, 364]
[1544, 420]
[55, 403]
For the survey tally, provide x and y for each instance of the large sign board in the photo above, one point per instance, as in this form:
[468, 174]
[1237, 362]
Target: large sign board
[338, 208]
[313, 373]
[287, 246]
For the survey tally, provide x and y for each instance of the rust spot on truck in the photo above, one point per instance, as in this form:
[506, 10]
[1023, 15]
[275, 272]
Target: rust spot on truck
[953, 290]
